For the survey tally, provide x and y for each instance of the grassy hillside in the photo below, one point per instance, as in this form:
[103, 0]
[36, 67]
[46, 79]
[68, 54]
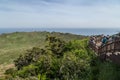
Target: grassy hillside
[14, 44]
[64, 58]
[59, 60]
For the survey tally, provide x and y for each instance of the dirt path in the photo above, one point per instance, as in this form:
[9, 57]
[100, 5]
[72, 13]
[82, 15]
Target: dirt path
[4, 67]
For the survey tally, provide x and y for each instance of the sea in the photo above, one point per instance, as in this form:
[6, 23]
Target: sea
[78, 31]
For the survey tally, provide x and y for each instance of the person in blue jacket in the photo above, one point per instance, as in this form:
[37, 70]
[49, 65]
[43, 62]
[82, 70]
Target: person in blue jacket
[104, 40]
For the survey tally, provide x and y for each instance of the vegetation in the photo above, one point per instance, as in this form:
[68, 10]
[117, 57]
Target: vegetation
[14, 44]
[61, 59]
[58, 60]
[104, 70]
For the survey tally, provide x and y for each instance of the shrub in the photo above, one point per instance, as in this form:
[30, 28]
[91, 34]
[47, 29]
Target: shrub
[57, 61]
[74, 67]
[56, 45]
[10, 71]
[27, 71]
[30, 57]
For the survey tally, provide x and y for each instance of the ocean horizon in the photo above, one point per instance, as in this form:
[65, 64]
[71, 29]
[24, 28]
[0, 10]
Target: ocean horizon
[78, 31]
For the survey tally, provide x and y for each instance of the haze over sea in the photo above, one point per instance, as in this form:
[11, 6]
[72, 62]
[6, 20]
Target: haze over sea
[79, 31]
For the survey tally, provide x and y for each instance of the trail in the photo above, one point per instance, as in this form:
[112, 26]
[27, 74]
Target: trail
[4, 67]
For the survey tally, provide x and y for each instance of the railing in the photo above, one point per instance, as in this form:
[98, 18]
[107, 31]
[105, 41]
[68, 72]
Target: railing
[110, 46]
[93, 47]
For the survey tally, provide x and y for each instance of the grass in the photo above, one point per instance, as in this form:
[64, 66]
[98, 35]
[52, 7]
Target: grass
[14, 44]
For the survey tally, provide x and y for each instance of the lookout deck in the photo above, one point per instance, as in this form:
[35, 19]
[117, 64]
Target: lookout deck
[109, 51]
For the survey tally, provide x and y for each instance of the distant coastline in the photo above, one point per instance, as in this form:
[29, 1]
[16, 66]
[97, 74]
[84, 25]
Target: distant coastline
[79, 31]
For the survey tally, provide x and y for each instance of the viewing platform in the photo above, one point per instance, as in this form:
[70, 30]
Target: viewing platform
[108, 51]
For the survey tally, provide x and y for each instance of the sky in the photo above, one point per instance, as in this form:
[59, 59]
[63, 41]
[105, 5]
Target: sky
[59, 13]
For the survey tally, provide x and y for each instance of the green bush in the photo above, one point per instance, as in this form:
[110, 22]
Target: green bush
[56, 45]
[30, 57]
[74, 67]
[27, 71]
[9, 71]
[104, 70]
[59, 60]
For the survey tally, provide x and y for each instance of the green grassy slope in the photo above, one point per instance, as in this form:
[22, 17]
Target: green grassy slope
[78, 62]
[14, 44]
[58, 61]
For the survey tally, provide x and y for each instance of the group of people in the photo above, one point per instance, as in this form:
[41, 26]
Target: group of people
[100, 40]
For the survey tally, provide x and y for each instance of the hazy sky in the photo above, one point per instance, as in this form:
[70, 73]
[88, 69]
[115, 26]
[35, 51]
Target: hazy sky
[60, 13]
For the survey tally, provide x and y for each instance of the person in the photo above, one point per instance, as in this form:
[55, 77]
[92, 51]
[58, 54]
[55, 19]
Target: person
[92, 41]
[104, 40]
[107, 37]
